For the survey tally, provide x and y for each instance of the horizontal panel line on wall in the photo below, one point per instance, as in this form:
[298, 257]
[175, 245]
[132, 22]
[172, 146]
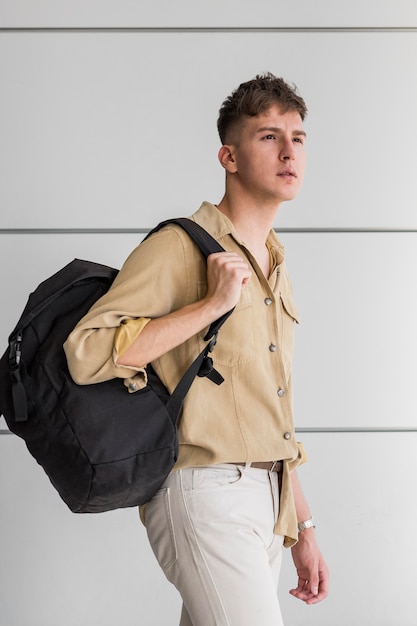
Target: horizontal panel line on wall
[324, 429]
[363, 429]
[122, 231]
[214, 29]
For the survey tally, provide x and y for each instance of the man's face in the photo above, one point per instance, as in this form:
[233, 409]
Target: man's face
[269, 156]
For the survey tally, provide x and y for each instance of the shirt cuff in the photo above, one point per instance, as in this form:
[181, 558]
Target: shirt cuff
[126, 334]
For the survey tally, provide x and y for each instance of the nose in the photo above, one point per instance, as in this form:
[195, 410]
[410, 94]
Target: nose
[287, 152]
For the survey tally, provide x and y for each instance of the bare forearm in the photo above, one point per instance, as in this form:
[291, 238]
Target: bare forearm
[227, 273]
[163, 334]
[301, 505]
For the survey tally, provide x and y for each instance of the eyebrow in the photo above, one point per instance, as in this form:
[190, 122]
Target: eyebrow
[277, 130]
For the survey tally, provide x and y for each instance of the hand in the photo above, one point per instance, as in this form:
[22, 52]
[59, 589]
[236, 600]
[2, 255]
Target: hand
[313, 574]
[227, 272]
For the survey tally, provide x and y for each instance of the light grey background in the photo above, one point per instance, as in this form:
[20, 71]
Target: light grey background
[107, 125]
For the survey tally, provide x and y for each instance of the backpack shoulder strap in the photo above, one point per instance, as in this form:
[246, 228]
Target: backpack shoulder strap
[207, 245]
[203, 364]
[202, 238]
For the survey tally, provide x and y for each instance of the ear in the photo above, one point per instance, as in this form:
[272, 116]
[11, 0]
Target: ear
[227, 159]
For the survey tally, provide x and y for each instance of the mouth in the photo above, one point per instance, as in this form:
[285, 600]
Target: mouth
[287, 174]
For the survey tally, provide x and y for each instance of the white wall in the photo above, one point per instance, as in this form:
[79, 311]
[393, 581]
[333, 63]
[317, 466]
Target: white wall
[107, 122]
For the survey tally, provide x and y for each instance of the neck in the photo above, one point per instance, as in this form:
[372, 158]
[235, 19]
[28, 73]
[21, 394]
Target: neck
[253, 225]
[251, 221]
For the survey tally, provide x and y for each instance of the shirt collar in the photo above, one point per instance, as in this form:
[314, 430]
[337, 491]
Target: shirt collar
[218, 225]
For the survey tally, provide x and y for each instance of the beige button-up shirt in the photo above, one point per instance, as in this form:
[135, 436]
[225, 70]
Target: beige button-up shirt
[249, 417]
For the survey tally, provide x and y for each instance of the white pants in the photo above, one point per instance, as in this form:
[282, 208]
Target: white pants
[211, 529]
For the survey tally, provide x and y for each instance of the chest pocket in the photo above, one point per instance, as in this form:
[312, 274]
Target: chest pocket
[289, 316]
[236, 342]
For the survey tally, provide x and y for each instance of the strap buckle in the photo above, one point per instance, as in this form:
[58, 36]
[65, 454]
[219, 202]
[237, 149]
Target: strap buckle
[212, 342]
[15, 352]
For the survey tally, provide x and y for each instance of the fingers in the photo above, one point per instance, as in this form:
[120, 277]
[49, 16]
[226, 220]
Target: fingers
[311, 592]
[303, 591]
[228, 260]
[229, 266]
[227, 272]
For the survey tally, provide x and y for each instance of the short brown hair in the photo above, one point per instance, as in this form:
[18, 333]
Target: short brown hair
[255, 97]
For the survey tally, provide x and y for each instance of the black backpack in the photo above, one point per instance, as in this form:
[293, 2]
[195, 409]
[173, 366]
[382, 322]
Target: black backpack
[102, 447]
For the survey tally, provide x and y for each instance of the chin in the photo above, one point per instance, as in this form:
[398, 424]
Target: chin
[288, 197]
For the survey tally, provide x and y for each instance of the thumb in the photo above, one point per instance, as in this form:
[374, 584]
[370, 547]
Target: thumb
[314, 585]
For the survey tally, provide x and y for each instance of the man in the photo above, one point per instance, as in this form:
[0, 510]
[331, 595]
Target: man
[233, 500]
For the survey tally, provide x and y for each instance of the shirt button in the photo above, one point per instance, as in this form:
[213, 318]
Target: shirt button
[272, 347]
[287, 436]
[268, 301]
[281, 392]
[133, 387]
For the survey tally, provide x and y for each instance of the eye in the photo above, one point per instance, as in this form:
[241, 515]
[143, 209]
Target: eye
[299, 140]
[269, 137]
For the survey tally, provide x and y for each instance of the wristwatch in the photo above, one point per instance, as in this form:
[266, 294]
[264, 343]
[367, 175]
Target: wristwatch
[307, 524]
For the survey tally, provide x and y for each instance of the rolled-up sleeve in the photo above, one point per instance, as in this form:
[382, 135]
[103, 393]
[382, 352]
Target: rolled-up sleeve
[94, 344]
[126, 334]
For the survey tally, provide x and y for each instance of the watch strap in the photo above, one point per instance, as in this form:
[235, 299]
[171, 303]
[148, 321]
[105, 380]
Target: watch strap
[309, 523]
